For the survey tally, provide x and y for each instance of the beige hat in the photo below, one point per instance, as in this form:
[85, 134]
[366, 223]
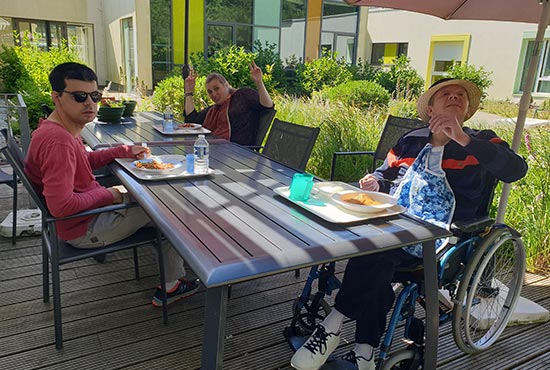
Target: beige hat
[473, 91]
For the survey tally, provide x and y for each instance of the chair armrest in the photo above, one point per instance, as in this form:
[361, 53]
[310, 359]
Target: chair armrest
[470, 226]
[95, 211]
[254, 147]
[335, 155]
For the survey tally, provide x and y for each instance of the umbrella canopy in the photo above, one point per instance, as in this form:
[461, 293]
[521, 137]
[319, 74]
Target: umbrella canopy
[528, 11]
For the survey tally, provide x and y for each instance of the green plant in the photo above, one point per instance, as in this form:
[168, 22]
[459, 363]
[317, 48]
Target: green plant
[401, 80]
[322, 72]
[479, 76]
[361, 94]
[363, 71]
[170, 91]
[25, 69]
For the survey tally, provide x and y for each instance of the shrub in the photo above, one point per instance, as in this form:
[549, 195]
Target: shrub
[361, 94]
[479, 76]
[401, 80]
[25, 69]
[322, 72]
[363, 71]
[170, 91]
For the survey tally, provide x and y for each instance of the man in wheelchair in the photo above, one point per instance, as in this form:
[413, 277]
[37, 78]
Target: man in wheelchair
[442, 173]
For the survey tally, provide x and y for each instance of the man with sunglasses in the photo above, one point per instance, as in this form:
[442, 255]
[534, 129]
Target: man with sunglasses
[60, 166]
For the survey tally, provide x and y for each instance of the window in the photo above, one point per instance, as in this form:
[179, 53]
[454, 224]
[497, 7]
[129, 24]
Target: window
[339, 28]
[385, 53]
[542, 76]
[293, 29]
[161, 38]
[48, 34]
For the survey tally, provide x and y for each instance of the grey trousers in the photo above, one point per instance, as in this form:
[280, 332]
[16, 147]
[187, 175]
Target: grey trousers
[110, 227]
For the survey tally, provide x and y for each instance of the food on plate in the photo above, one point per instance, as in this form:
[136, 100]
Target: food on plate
[187, 125]
[155, 164]
[360, 198]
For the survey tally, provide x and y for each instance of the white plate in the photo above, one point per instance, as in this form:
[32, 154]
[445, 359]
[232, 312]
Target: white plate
[383, 201]
[164, 159]
[187, 126]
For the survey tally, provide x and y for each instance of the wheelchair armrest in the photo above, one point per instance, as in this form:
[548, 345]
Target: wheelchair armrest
[95, 211]
[469, 226]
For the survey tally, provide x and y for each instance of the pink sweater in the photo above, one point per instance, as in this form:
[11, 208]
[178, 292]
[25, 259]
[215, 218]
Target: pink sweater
[59, 165]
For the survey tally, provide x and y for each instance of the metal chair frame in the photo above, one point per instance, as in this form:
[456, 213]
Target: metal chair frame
[56, 252]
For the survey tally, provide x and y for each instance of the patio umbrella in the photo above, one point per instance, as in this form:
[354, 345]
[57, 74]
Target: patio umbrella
[528, 11]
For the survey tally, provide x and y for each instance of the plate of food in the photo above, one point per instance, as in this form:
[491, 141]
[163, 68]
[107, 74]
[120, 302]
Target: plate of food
[158, 164]
[364, 201]
[187, 126]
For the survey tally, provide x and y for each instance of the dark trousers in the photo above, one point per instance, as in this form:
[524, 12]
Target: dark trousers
[366, 294]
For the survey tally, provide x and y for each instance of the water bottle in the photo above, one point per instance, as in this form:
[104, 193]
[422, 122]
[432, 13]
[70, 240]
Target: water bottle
[201, 148]
[168, 120]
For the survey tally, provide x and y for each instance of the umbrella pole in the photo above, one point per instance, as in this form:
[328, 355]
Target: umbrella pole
[525, 100]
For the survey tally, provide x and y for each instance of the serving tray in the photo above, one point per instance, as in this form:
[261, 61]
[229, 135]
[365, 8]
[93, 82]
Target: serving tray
[182, 131]
[178, 173]
[321, 203]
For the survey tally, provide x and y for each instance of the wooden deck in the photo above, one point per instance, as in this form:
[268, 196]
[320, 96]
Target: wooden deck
[109, 322]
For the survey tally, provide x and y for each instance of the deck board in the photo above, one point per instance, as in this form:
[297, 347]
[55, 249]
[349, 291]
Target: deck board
[109, 322]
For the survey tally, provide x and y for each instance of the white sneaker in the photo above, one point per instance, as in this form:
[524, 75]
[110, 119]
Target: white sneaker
[359, 361]
[315, 351]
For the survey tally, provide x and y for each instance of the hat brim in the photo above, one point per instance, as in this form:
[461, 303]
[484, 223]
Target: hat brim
[473, 91]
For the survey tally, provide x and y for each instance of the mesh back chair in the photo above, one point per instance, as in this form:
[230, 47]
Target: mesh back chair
[11, 181]
[395, 128]
[290, 144]
[56, 252]
[266, 117]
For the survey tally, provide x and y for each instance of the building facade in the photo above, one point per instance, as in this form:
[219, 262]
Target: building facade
[129, 41]
[432, 44]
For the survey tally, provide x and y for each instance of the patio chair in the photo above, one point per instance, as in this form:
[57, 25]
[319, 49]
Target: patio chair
[56, 252]
[266, 118]
[11, 181]
[290, 144]
[394, 128]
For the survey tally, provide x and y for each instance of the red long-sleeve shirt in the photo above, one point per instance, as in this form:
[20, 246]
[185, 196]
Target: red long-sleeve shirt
[61, 168]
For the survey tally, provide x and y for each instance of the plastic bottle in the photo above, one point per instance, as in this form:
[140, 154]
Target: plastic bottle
[201, 149]
[168, 120]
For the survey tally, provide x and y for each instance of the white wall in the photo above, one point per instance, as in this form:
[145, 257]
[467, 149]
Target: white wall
[494, 45]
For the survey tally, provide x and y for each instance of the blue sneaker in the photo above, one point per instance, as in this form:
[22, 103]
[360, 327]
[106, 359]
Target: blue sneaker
[184, 289]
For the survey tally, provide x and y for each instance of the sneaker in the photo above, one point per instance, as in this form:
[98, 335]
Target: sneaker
[315, 351]
[360, 362]
[183, 289]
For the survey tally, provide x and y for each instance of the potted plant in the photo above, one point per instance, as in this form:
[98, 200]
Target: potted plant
[110, 110]
[129, 106]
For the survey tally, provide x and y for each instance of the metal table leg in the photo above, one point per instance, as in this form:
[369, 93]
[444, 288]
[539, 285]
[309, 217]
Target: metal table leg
[215, 310]
[432, 311]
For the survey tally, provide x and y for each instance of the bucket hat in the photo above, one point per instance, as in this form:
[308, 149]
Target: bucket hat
[473, 91]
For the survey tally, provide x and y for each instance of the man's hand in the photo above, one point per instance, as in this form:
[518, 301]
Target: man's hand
[369, 182]
[447, 125]
[190, 81]
[140, 152]
[255, 73]
[117, 195]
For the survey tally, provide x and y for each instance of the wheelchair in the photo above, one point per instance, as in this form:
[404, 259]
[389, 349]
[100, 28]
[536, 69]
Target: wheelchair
[480, 276]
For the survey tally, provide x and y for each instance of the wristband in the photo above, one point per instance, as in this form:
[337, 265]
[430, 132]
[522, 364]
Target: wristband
[188, 94]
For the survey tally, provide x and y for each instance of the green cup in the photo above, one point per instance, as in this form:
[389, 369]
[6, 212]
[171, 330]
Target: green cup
[301, 186]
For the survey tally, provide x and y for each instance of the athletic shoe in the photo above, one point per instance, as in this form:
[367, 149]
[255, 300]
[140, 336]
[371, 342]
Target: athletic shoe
[315, 351]
[360, 362]
[183, 289]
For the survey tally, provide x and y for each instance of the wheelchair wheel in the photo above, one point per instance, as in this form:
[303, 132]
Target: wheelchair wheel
[310, 314]
[400, 360]
[488, 291]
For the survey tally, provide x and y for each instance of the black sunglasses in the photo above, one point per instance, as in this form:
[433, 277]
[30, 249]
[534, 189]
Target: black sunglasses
[81, 96]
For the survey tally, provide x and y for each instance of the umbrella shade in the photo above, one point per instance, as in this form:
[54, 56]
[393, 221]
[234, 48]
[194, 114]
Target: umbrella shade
[529, 11]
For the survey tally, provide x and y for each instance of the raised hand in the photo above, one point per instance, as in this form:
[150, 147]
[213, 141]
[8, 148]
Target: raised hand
[190, 80]
[255, 73]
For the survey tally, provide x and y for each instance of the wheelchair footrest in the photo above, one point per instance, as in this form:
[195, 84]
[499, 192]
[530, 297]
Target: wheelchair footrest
[295, 337]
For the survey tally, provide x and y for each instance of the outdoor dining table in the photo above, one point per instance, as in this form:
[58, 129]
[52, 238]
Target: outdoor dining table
[231, 226]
